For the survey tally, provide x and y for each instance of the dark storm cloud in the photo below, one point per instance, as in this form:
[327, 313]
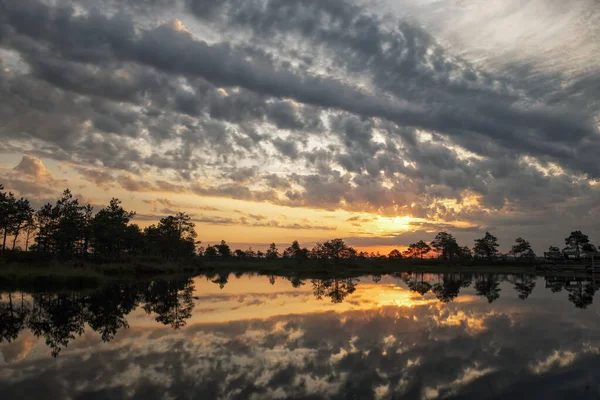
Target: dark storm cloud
[286, 147]
[526, 129]
[408, 64]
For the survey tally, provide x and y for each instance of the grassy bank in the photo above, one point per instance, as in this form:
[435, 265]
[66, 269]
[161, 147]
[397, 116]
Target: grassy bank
[316, 269]
[38, 279]
[78, 276]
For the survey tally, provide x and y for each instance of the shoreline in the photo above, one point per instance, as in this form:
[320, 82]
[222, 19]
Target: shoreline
[39, 278]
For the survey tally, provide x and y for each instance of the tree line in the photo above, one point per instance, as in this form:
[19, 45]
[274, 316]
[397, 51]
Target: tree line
[68, 229]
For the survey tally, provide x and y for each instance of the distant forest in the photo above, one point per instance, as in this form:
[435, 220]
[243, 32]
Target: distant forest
[70, 230]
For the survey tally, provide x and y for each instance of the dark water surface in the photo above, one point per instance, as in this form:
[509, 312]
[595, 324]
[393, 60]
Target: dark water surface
[256, 337]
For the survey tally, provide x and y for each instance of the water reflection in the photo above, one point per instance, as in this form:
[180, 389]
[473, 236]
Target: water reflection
[226, 336]
[337, 289]
[60, 318]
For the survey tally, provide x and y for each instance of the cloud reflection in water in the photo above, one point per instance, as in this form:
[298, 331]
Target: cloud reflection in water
[254, 339]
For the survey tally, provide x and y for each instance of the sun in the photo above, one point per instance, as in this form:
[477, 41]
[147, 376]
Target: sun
[393, 224]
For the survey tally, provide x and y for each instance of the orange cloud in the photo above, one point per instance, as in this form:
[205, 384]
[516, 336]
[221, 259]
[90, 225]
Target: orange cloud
[33, 167]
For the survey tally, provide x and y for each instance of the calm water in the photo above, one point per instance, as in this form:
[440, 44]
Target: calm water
[256, 337]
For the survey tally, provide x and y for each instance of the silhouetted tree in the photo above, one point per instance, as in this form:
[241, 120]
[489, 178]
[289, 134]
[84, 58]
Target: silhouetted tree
[334, 250]
[47, 222]
[7, 214]
[110, 230]
[486, 247]
[23, 216]
[237, 253]
[88, 217]
[63, 228]
[296, 252]
[15, 214]
[445, 245]
[250, 254]
[272, 252]
[417, 250]
[522, 249]
[589, 248]
[134, 240]
[29, 229]
[395, 254]
[223, 250]
[176, 236]
[575, 242]
[420, 248]
[465, 253]
[211, 252]
[69, 234]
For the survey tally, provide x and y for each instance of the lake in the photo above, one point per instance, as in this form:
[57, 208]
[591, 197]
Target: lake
[413, 336]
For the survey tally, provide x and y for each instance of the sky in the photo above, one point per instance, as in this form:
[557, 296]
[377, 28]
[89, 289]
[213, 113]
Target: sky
[379, 122]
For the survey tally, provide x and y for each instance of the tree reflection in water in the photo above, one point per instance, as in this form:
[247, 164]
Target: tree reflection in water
[447, 286]
[336, 289]
[60, 318]
[12, 318]
[581, 290]
[171, 301]
[450, 286]
[488, 286]
[524, 285]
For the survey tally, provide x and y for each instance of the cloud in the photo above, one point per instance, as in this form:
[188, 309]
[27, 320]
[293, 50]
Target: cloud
[169, 203]
[99, 177]
[132, 183]
[250, 220]
[327, 105]
[33, 167]
[31, 178]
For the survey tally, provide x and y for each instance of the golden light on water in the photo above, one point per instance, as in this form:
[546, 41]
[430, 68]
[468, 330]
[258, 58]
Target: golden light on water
[393, 295]
[250, 298]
